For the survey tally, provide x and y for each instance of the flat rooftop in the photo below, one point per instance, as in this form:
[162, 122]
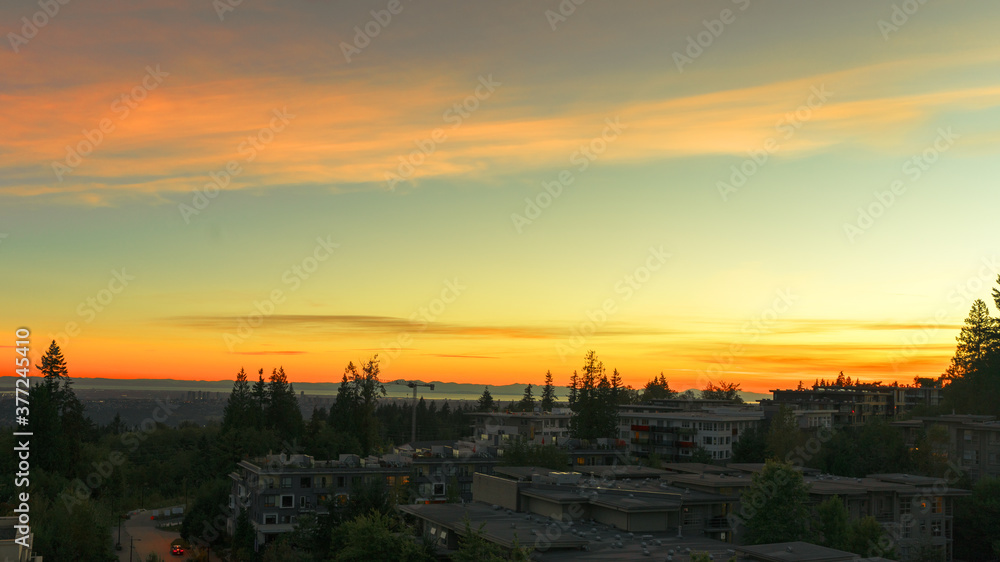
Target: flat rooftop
[621, 471]
[554, 541]
[794, 552]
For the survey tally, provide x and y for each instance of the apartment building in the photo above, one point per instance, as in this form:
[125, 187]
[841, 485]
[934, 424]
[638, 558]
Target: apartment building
[444, 471]
[674, 435]
[916, 511]
[543, 428]
[645, 504]
[971, 442]
[847, 405]
[12, 544]
[277, 489]
[854, 405]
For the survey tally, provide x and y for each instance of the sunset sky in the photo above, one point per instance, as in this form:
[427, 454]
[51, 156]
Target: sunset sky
[713, 157]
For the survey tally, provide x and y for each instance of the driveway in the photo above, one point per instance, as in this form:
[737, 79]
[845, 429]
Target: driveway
[146, 539]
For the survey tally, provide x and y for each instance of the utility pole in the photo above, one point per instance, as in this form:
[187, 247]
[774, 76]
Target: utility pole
[414, 385]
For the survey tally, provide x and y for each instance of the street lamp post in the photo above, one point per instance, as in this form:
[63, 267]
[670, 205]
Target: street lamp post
[131, 547]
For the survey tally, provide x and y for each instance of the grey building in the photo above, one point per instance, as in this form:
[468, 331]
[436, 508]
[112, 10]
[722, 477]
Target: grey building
[674, 434]
[277, 489]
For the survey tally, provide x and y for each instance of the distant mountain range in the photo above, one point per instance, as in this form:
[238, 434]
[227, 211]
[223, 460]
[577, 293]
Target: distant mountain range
[442, 390]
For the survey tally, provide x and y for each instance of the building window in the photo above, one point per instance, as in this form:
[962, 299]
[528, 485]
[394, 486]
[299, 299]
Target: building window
[302, 501]
[288, 501]
[286, 482]
[270, 518]
[269, 500]
[340, 481]
[305, 482]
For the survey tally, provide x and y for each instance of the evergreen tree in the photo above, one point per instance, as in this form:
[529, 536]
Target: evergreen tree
[593, 401]
[243, 539]
[751, 445]
[357, 401]
[282, 412]
[485, 403]
[374, 536]
[473, 547]
[658, 389]
[976, 342]
[775, 506]
[527, 403]
[238, 413]
[53, 368]
[977, 522]
[57, 419]
[865, 537]
[548, 393]
[975, 369]
[260, 400]
[832, 523]
[784, 434]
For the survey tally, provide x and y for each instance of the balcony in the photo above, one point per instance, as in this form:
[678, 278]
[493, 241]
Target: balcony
[717, 523]
[885, 517]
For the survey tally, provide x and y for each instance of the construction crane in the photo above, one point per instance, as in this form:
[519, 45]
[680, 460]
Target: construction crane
[413, 385]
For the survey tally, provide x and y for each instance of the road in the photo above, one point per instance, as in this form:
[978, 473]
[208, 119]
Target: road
[146, 539]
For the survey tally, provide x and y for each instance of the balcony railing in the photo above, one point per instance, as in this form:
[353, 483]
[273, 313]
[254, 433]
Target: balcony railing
[885, 517]
[717, 523]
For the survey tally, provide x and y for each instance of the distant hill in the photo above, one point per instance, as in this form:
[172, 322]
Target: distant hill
[442, 390]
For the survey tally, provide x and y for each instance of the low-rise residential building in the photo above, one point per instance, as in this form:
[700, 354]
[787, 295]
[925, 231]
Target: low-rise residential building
[15, 547]
[554, 540]
[634, 499]
[970, 442]
[444, 471]
[927, 392]
[916, 511]
[850, 405]
[799, 551]
[675, 435]
[544, 428]
[601, 452]
[856, 404]
[277, 489]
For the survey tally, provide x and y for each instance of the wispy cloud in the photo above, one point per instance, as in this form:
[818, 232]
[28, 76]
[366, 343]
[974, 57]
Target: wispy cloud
[269, 352]
[359, 325]
[354, 127]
